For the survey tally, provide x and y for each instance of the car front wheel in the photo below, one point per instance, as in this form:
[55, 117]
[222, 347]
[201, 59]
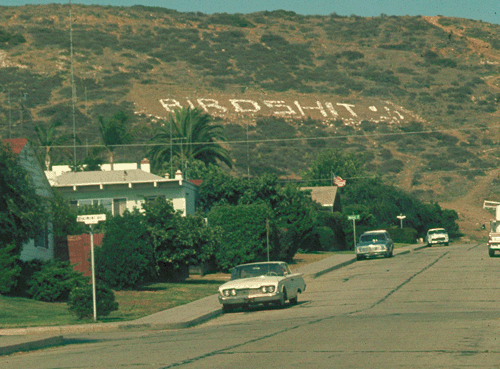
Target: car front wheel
[283, 298]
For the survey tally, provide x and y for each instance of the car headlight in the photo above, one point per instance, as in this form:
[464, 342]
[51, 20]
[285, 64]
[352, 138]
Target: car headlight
[228, 293]
[267, 289]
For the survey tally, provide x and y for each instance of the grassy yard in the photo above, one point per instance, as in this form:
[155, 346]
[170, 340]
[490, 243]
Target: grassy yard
[21, 312]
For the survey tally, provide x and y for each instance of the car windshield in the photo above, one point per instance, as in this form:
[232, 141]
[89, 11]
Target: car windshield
[256, 270]
[437, 231]
[372, 237]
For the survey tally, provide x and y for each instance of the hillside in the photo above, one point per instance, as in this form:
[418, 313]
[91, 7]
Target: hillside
[416, 97]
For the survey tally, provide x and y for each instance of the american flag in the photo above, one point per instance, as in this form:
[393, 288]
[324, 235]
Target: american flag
[339, 182]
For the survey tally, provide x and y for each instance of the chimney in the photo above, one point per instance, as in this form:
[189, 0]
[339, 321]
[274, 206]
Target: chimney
[145, 165]
[178, 174]
[167, 175]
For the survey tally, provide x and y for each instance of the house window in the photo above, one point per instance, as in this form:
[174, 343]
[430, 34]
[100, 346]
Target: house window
[42, 238]
[119, 206]
[153, 198]
[106, 203]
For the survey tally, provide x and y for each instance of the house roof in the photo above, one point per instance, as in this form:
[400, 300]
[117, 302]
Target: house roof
[16, 144]
[324, 195]
[107, 177]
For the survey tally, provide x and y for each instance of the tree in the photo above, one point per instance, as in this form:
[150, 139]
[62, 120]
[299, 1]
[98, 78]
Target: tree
[114, 133]
[22, 214]
[329, 162]
[178, 241]
[293, 211]
[188, 134]
[243, 234]
[126, 257]
[48, 139]
[9, 269]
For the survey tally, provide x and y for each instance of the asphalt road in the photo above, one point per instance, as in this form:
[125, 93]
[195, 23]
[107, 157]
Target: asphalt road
[437, 307]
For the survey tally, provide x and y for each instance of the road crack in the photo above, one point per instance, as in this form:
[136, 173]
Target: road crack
[408, 280]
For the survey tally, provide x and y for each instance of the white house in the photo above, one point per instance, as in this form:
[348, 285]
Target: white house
[119, 190]
[42, 246]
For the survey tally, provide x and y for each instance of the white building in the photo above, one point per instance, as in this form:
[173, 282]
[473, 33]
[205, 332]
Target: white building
[119, 190]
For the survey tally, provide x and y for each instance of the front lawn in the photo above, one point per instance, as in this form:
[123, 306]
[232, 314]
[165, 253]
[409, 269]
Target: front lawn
[16, 312]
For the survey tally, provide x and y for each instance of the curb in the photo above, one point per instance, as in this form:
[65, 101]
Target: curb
[32, 345]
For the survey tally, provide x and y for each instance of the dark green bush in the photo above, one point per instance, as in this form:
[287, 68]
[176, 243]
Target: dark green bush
[235, 20]
[126, 257]
[28, 268]
[403, 235]
[54, 281]
[81, 303]
[243, 234]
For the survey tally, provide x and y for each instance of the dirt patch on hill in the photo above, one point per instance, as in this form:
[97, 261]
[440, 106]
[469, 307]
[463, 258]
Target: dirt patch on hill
[471, 215]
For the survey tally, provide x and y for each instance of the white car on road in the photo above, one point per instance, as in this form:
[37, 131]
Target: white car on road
[261, 283]
[437, 236]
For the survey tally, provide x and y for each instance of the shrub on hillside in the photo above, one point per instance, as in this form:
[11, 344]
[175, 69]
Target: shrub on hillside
[54, 281]
[81, 302]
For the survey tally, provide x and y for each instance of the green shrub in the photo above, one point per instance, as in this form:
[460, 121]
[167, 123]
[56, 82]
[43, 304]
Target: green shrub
[125, 258]
[28, 268]
[54, 281]
[81, 303]
[243, 234]
[403, 235]
[9, 270]
[326, 239]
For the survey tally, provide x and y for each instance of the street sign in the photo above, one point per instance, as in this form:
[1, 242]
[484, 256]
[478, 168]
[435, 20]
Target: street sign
[91, 219]
[353, 217]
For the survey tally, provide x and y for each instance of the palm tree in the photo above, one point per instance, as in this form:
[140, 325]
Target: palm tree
[114, 133]
[48, 139]
[189, 134]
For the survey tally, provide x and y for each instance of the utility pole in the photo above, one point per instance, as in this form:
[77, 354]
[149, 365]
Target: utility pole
[73, 92]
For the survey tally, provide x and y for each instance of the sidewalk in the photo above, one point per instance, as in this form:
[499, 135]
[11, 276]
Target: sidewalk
[184, 316]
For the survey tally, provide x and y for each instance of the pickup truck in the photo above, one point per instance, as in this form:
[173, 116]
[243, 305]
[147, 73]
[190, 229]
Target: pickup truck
[494, 237]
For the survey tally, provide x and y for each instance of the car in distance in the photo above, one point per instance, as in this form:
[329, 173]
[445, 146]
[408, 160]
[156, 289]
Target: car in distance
[261, 283]
[374, 243]
[436, 236]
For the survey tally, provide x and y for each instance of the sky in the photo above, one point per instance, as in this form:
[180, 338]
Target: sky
[485, 10]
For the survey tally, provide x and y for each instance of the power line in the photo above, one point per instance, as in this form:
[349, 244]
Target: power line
[292, 139]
